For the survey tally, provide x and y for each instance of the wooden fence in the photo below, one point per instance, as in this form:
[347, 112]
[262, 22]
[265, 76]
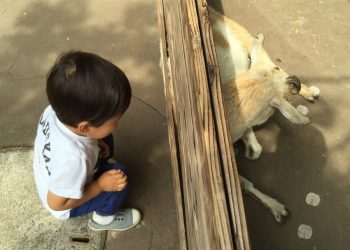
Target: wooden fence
[208, 195]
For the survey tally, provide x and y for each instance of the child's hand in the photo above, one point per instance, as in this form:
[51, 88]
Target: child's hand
[112, 181]
[104, 149]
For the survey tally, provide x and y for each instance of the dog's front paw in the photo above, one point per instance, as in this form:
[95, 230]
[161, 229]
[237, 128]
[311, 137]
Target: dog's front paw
[302, 109]
[300, 118]
[314, 92]
[253, 152]
[305, 120]
[260, 37]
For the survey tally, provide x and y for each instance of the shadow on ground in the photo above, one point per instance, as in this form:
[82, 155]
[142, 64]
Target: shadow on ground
[39, 31]
[34, 33]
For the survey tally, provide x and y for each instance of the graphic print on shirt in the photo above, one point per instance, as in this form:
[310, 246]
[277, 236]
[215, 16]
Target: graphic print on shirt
[45, 128]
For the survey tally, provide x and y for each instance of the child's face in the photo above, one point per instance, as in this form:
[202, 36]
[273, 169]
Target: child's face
[105, 129]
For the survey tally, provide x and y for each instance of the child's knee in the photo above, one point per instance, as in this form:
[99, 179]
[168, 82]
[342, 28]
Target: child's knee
[120, 167]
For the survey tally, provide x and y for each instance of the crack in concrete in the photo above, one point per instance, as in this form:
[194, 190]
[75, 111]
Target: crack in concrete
[14, 61]
[150, 106]
[148, 205]
[16, 147]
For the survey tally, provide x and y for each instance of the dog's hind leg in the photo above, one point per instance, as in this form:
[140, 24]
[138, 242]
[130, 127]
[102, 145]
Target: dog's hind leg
[278, 210]
[252, 147]
[289, 111]
[309, 93]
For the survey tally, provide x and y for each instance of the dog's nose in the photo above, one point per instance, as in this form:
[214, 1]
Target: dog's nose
[294, 84]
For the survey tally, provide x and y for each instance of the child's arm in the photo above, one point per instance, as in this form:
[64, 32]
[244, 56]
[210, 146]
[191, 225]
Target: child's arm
[111, 181]
[105, 151]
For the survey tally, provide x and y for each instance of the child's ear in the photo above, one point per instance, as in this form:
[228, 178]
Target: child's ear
[83, 127]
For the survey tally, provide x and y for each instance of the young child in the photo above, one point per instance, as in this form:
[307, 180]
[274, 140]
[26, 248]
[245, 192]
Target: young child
[73, 168]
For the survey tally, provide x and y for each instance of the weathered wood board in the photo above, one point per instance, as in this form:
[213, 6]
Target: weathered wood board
[208, 195]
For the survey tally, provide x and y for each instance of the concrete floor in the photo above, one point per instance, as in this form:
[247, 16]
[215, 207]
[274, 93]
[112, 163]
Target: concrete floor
[34, 33]
[310, 38]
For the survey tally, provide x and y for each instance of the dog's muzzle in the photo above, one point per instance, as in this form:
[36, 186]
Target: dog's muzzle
[294, 84]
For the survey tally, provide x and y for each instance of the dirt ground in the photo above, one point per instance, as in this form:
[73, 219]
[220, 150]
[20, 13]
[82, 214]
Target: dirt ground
[309, 39]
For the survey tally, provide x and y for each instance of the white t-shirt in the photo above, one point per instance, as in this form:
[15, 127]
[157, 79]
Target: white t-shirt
[63, 161]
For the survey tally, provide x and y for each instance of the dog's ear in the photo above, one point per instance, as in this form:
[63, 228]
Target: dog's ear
[289, 111]
[256, 51]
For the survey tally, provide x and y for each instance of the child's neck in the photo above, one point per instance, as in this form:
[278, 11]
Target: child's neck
[75, 130]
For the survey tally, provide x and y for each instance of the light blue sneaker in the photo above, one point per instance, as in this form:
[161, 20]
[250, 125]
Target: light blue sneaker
[124, 220]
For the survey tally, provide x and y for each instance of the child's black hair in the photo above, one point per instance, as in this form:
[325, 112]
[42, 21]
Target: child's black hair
[83, 86]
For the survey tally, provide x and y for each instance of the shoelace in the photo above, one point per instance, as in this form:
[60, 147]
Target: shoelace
[120, 216]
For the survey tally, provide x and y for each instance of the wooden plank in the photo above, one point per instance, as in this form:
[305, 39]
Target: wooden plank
[219, 211]
[225, 144]
[172, 129]
[208, 215]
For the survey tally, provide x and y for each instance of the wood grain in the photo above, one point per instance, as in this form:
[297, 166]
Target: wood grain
[207, 192]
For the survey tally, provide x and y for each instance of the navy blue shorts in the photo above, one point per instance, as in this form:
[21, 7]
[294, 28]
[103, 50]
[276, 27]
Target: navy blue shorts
[106, 203]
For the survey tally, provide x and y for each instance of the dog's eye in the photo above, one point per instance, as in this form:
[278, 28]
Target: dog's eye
[276, 68]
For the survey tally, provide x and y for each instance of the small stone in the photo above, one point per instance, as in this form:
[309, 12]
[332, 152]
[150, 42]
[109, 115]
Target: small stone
[304, 232]
[313, 199]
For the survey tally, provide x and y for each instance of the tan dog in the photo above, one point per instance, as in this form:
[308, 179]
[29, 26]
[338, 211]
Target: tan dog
[254, 88]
